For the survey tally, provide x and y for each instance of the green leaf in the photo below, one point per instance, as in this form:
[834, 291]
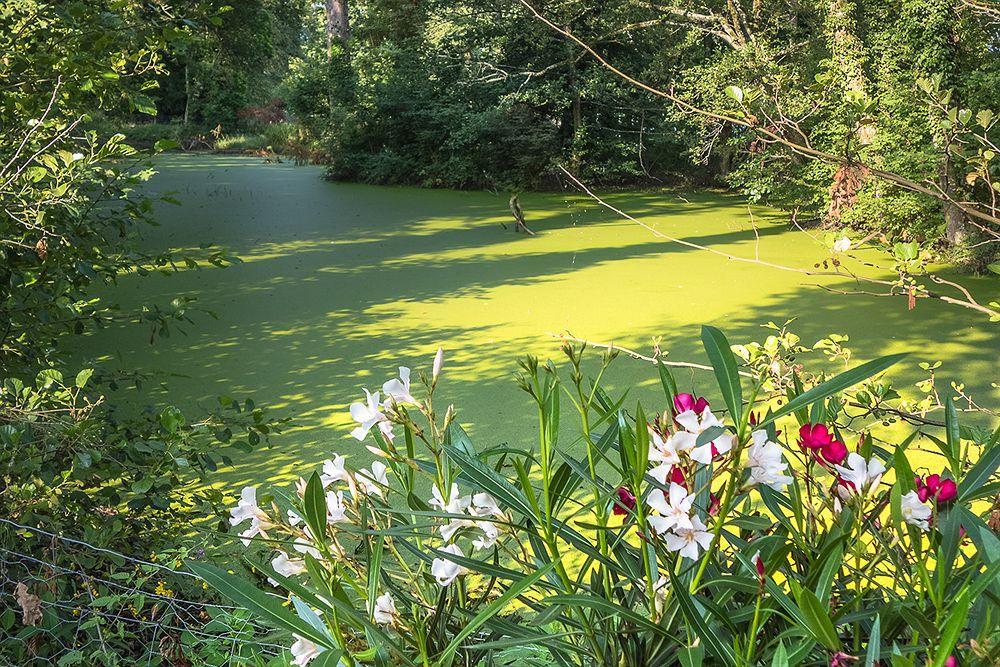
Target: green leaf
[720, 354]
[328, 658]
[314, 506]
[874, 639]
[266, 607]
[459, 439]
[952, 433]
[488, 480]
[834, 385]
[697, 623]
[818, 619]
[669, 385]
[957, 614]
[691, 656]
[980, 473]
[83, 376]
[491, 610]
[601, 604]
[780, 657]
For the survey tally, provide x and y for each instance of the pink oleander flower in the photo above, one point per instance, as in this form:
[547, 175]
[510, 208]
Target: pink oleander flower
[626, 502]
[951, 661]
[841, 659]
[816, 438]
[684, 402]
[933, 486]
[834, 453]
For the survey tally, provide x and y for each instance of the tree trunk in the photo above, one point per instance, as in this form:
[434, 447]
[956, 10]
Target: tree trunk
[338, 27]
[187, 92]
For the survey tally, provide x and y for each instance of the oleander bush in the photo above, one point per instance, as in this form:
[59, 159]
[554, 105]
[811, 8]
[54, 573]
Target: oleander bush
[790, 517]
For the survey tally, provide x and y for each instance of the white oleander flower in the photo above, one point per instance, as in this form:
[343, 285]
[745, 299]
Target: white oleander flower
[303, 651]
[915, 511]
[385, 610]
[247, 508]
[858, 476]
[334, 470]
[398, 389]
[662, 450]
[373, 481]
[444, 570]
[764, 461]
[368, 415]
[674, 507]
[689, 541]
[336, 511]
[693, 425]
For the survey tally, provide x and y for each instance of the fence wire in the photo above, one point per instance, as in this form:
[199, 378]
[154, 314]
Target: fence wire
[56, 609]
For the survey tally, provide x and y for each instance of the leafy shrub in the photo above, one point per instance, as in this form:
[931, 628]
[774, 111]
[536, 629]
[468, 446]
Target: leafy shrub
[743, 532]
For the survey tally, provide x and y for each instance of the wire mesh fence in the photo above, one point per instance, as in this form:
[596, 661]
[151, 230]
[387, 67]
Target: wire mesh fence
[74, 603]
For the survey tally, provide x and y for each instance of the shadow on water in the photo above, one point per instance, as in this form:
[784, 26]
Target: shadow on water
[343, 282]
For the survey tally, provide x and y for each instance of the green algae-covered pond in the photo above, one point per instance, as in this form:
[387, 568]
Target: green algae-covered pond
[341, 283]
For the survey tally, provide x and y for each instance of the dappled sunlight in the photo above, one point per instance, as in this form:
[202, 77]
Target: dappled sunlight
[342, 283]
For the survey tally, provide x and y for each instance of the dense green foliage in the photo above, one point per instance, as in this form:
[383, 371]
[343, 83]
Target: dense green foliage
[74, 460]
[485, 95]
[734, 531]
[873, 117]
[823, 95]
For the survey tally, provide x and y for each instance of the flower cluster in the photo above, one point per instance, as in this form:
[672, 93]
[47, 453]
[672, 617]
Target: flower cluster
[719, 516]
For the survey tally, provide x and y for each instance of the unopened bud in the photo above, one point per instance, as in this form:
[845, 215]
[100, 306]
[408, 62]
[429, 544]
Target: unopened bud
[438, 363]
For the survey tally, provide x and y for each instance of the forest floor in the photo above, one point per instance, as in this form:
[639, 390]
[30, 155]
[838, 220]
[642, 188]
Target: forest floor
[342, 283]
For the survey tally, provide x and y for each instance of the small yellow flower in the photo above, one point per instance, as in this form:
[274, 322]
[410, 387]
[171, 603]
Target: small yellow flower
[161, 589]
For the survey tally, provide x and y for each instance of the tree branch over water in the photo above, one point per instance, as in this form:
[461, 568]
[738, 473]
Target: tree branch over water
[970, 209]
[966, 302]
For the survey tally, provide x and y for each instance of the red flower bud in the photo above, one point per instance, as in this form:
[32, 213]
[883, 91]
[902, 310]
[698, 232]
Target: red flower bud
[942, 490]
[841, 659]
[626, 502]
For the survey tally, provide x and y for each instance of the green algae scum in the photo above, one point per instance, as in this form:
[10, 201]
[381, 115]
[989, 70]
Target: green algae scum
[342, 283]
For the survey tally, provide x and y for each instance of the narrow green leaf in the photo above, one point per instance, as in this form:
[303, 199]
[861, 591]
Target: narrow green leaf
[953, 434]
[834, 385]
[780, 657]
[267, 607]
[314, 506]
[980, 473]
[328, 658]
[490, 481]
[697, 624]
[956, 617]
[491, 610]
[720, 355]
[818, 619]
[874, 640]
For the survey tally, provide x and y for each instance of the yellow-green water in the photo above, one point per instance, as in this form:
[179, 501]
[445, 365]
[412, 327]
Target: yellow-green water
[341, 283]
